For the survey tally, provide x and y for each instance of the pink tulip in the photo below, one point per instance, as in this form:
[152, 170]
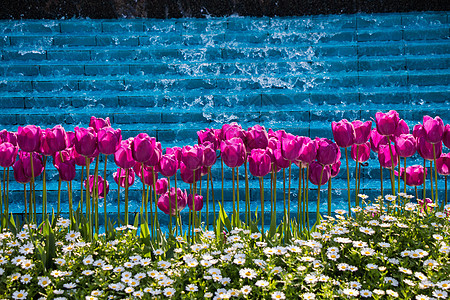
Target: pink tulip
[425, 149]
[363, 152]
[103, 186]
[315, 169]
[44, 147]
[29, 138]
[308, 151]
[414, 175]
[148, 173]
[335, 169]
[8, 154]
[67, 154]
[402, 128]
[198, 202]
[109, 140]
[53, 140]
[233, 152]
[208, 135]
[38, 166]
[384, 156]
[446, 136]
[405, 145]
[192, 157]
[232, 130]
[169, 203]
[259, 162]
[70, 139]
[142, 147]
[280, 161]
[168, 165]
[161, 186]
[187, 175]
[327, 151]
[19, 172]
[434, 129]
[209, 154]
[99, 123]
[177, 152]
[124, 155]
[86, 141]
[7, 136]
[419, 131]
[80, 160]
[119, 177]
[256, 138]
[387, 122]
[66, 170]
[290, 147]
[376, 140]
[443, 164]
[343, 133]
[362, 131]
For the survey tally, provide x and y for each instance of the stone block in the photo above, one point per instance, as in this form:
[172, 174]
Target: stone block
[107, 69]
[73, 41]
[69, 55]
[117, 40]
[61, 70]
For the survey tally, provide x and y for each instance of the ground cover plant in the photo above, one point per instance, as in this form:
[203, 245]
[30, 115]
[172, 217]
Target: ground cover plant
[394, 246]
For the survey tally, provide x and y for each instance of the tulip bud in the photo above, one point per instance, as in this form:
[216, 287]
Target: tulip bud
[343, 133]
[259, 162]
[443, 164]
[335, 169]
[418, 131]
[7, 136]
[362, 131]
[103, 186]
[387, 122]
[434, 129]
[109, 140]
[66, 170]
[142, 147]
[405, 145]
[376, 140]
[308, 151]
[99, 123]
[384, 157]
[209, 155]
[256, 138]
[208, 135]
[168, 165]
[161, 186]
[148, 173]
[19, 172]
[124, 156]
[187, 175]
[171, 204]
[233, 152]
[327, 151]
[280, 161]
[192, 157]
[80, 160]
[446, 136]
[315, 169]
[402, 128]
[155, 156]
[414, 175]
[290, 147]
[8, 154]
[85, 141]
[198, 202]
[119, 177]
[363, 152]
[38, 166]
[425, 149]
[233, 130]
[28, 138]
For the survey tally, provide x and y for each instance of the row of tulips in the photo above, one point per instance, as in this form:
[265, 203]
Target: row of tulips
[262, 152]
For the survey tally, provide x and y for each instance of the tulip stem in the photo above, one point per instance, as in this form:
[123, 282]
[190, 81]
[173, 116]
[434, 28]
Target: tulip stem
[144, 204]
[2, 188]
[156, 199]
[289, 197]
[7, 193]
[247, 196]
[69, 193]
[359, 178]
[237, 193]
[207, 200]
[104, 193]
[118, 196]
[126, 197]
[303, 216]
[221, 165]
[261, 190]
[381, 180]
[88, 197]
[399, 177]
[348, 182]
[445, 203]
[44, 192]
[31, 203]
[170, 208]
[307, 196]
[424, 179]
[25, 200]
[404, 175]
[318, 197]
[212, 195]
[234, 201]
[81, 191]
[274, 192]
[194, 213]
[417, 196]
[96, 193]
[58, 208]
[176, 204]
[431, 181]
[356, 179]
[151, 210]
[284, 197]
[435, 174]
[392, 166]
[300, 177]
[32, 184]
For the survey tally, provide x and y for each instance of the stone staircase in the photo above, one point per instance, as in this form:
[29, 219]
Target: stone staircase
[172, 78]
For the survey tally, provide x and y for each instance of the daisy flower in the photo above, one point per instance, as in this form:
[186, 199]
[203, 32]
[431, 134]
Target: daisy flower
[20, 294]
[262, 283]
[246, 289]
[191, 288]
[278, 295]
[247, 273]
[351, 292]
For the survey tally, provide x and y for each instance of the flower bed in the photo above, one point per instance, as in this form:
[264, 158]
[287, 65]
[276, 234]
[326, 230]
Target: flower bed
[399, 251]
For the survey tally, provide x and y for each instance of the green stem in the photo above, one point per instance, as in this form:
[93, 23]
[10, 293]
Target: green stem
[69, 192]
[289, 196]
[445, 203]
[329, 197]
[424, 179]
[247, 196]
[392, 166]
[404, 175]
[96, 194]
[25, 200]
[126, 197]
[307, 196]
[44, 192]
[144, 204]
[81, 191]
[261, 189]
[318, 197]
[356, 179]
[435, 174]
[284, 197]
[398, 168]
[221, 165]
[275, 192]
[234, 201]
[7, 193]
[431, 181]
[212, 195]
[88, 198]
[381, 180]
[156, 198]
[207, 199]
[104, 198]
[118, 196]
[170, 208]
[1, 197]
[348, 182]
[300, 177]
[32, 184]
[237, 193]
[176, 204]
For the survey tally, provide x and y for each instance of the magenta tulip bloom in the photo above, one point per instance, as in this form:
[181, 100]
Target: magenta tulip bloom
[233, 130]
[168, 165]
[290, 147]
[343, 133]
[434, 129]
[376, 140]
[7, 136]
[414, 175]
[169, 203]
[142, 147]
[446, 136]
[363, 152]
[67, 154]
[419, 131]
[387, 122]
[198, 202]
[44, 147]
[315, 169]
[124, 156]
[362, 131]
[38, 166]
[177, 152]
[425, 149]
[259, 162]
[208, 135]
[384, 157]
[280, 161]
[209, 154]
[405, 145]
[70, 139]
[155, 156]
[29, 138]
[308, 151]
[19, 172]
[335, 169]
[99, 123]
[187, 175]
[103, 186]
[80, 160]
[192, 157]
[327, 151]
[109, 140]
[85, 141]
[119, 177]
[161, 186]
[148, 173]
[53, 140]
[443, 164]
[66, 170]
[233, 152]
[8, 154]
[256, 138]
[402, 128]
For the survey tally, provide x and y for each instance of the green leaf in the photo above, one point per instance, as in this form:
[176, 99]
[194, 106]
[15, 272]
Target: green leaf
[12, 225]
[136, 224]
[224, 218]
[145, 233]
[273, 224]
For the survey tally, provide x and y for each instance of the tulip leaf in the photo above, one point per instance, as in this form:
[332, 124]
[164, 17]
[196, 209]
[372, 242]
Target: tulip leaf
[12, 225]
[136, 224]
[273, 224]
[145, 233]
[224, 218]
